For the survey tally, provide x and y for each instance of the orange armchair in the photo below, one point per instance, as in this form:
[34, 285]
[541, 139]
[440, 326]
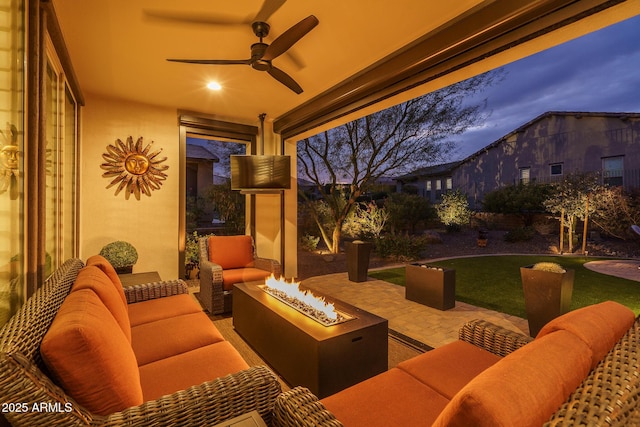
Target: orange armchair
[225, 261]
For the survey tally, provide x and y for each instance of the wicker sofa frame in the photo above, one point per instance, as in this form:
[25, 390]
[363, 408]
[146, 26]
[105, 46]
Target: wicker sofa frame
[212, 294]
[24, 380]
[609, 396]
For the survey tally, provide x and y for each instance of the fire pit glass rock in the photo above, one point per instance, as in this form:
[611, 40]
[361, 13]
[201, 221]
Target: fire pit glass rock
[304, 301]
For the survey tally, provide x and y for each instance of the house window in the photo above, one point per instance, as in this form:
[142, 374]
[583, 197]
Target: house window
[438, 184]
[612, 170]
[428, 185]
[449, 184]
[556, 169]
[525, 175]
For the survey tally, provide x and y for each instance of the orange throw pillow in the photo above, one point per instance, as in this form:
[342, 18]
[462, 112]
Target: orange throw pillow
[91, 359]
[231, 251]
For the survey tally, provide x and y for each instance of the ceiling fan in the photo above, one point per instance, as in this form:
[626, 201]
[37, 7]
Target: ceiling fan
[262, 54]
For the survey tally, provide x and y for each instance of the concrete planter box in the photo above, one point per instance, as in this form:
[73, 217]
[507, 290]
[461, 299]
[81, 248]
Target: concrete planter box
[547, 295]
[432, 286]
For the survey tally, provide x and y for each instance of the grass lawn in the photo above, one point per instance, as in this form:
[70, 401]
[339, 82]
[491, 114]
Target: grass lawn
[493, 282]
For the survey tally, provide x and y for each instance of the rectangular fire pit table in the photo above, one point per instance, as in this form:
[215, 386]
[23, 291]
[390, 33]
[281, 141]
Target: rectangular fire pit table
[325, 359]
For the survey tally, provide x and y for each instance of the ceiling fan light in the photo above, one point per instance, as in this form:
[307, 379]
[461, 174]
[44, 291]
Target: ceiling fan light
[214, 86]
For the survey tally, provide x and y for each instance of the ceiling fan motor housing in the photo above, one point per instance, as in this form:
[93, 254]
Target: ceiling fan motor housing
[260, 29]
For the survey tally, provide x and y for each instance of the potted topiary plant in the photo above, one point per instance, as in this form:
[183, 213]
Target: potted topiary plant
[547, 290]
[121, 255]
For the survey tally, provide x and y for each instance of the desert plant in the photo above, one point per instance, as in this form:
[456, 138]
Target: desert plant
[120, 254]
[548, 266]
[402, 247]
[520, 234]
[453, 210]
[309, 242]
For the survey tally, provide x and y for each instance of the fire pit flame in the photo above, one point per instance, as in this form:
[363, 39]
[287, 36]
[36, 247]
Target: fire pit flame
[303, 300]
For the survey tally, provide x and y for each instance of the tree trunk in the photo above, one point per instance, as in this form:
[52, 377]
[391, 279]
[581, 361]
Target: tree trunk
[336, 236]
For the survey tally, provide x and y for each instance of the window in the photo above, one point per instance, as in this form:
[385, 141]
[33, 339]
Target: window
[61, 170]
[556, 169]
[428, 185]
[12, 159]
[438, 184]
[449, 184]
[525, 175]
[612, 170]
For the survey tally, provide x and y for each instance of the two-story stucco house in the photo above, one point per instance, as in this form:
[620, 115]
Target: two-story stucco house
[546, 149]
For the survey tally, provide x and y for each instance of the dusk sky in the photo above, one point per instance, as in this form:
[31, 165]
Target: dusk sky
[599, 72]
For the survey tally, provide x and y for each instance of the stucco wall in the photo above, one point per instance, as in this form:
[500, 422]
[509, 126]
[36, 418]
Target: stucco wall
[151, 223]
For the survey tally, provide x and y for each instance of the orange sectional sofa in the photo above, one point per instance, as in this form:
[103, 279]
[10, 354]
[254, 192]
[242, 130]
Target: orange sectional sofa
[582, 369]
[93, 352]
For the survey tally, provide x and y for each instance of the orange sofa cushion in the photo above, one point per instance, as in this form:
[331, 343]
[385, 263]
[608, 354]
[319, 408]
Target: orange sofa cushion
[449, 368]
[184, 370]
[168, 337]
[162, 308]
[231, 251]
[242, 275]
[103, 264]
[600, 326]
[393, 398]
[91, 277]
[90, 357]
[524, 388]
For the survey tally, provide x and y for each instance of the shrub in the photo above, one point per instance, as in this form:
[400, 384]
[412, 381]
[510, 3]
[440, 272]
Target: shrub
[406, 211]
[517, 198]
[401, 247]
[520, 234]
[120, 254]
[453, 210]
[309, 242]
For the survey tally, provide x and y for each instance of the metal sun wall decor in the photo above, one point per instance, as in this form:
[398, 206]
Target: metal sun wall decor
[133, 167]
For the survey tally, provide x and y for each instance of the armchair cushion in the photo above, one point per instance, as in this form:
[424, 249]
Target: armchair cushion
[90, 357]
[231, 251]
[242, 275]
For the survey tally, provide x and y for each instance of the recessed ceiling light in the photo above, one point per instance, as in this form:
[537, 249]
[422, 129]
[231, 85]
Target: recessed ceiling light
[214, 86]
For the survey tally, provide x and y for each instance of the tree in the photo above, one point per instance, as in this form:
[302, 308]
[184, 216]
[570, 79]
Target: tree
[407, 210]
[396, 140]
[573, 199]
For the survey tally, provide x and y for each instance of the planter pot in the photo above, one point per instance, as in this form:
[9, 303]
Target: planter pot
[358, 260]
[431, 286]
[547, 295]
[124, 270]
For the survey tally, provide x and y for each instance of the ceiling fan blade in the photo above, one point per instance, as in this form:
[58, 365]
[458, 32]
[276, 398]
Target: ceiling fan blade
[269, 7]
[285, 79]
[213, 61]
[195, 18]
[290, 37]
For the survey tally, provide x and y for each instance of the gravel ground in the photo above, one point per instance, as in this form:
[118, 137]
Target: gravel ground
[464, 243]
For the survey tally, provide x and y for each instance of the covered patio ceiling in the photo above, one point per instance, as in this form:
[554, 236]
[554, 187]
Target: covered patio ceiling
[363, 56]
